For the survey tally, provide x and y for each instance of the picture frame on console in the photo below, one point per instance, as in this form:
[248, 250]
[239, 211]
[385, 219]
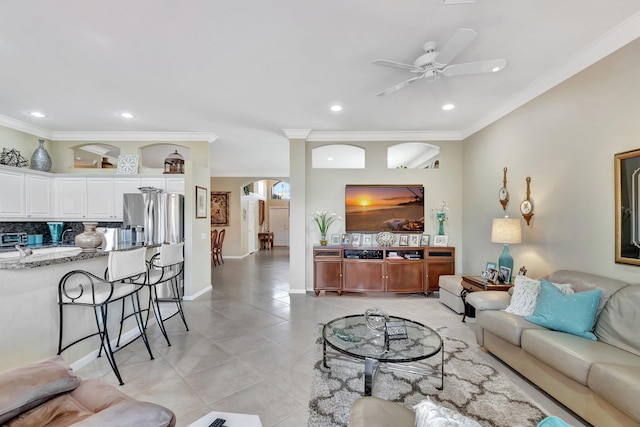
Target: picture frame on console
[346, 239]
[335, 240]
[404, 240]
[366, 240]
[355, 239]
[424, 240]
[414, 240]
[440, 240]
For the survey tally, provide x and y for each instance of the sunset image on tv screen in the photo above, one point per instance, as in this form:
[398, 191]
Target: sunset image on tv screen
[376, 208]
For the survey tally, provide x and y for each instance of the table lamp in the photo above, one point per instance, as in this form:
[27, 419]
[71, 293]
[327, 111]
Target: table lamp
[506, 230]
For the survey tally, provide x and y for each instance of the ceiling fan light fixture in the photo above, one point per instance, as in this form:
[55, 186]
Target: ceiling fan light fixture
[448, 107]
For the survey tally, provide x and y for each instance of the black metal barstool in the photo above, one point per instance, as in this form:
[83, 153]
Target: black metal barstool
[163, 278]
[125, 276]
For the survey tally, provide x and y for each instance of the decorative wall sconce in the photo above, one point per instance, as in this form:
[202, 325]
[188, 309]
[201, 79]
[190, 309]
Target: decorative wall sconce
[503, 194]
[526, 207]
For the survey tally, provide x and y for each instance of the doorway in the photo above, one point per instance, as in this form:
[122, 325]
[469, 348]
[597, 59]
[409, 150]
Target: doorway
[279, 225]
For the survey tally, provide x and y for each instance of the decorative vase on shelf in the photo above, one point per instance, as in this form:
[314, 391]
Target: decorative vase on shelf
[441, 217]
[40, 159]
[323, 240]
[89, 240]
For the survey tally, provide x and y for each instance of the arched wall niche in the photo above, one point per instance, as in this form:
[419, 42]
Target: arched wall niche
[152, 156]
[413, 155]
[338, 156]
[95, 156]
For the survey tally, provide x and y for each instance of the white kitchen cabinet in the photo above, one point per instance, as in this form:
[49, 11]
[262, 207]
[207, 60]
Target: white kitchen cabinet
[12, 194]
[100, 198]
[70, 197]
[175, 185]
[39, 197]
[155, 182]
[123, 186]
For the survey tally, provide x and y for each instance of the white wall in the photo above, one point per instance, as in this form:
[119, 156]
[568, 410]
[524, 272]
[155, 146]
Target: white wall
[324, 189]
[565, 140]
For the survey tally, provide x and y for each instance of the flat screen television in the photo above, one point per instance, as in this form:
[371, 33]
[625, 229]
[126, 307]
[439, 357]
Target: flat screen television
[375, 208]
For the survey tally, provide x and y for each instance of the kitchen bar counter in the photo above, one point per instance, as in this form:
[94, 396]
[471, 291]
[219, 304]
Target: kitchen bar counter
[29, 318]
[60, 254]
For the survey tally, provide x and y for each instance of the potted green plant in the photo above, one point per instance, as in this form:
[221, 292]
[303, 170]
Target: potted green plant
[324, 220]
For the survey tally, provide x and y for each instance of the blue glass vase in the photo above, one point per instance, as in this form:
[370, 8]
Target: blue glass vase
[441, 217]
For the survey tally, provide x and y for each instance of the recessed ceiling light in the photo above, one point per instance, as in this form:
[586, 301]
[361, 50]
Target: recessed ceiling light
[126, 115]
[37, 114]
[447, 107]
[496, 69]
[336, 108]
[330, 159]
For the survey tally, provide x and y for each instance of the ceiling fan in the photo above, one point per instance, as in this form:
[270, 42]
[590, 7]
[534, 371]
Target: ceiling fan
[434, 63]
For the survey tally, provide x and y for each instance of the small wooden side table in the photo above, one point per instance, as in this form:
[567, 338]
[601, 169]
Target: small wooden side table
[266, 240]
[476, 284]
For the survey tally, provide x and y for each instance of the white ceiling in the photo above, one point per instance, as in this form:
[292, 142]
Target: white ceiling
[245, 70]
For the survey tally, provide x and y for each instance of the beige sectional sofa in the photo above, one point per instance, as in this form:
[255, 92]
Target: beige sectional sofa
[48, 393]
[599, 379]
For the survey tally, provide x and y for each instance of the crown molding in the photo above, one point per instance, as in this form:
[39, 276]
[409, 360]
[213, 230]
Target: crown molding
[605, 45]
[297, 133]
[362, 136]
[18, 125]
[134, 136]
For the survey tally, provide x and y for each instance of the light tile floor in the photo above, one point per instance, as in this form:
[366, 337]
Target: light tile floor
[250, 346]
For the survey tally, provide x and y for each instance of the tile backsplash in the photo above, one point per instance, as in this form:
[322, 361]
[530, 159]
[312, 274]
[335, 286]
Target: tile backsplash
[43, 228]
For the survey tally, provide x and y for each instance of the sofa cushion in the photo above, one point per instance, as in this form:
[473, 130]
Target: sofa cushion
[571, 355]
[574, 313]
[108, 403]
[507, 326]
[431, 414]
[525, 295]
[619, 320]
[582, 281]
[59, 411]
[618, 384]
[24, 388]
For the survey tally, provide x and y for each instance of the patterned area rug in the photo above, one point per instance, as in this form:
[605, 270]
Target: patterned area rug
[471, 387]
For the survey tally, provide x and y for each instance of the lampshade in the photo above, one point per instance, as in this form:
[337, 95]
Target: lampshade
[506, 230]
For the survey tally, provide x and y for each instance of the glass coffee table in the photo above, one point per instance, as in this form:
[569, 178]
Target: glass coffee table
[351, 337]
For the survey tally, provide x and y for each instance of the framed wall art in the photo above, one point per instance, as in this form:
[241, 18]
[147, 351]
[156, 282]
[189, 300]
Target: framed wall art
[201, 202]
[220, 208]
[627, 215]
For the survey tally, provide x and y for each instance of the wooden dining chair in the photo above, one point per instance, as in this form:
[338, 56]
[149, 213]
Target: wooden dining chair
[214, 242]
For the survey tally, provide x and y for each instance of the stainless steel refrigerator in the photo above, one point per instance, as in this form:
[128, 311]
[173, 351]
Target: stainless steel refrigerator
[159, 217]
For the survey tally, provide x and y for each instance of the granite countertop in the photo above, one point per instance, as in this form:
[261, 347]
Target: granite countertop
[55, 254]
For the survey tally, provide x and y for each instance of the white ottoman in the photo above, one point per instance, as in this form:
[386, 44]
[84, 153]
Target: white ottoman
[450, 289]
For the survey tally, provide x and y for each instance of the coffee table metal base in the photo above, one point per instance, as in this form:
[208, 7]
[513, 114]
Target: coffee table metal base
[371, 367]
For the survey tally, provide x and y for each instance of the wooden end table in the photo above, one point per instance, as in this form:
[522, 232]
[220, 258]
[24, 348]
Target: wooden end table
[476, 284]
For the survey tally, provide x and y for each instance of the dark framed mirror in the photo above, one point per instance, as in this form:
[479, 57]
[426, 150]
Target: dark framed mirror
[627, 196]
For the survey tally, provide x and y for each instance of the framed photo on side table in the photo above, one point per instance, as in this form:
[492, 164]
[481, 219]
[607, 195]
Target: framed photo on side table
[366, 240]
[335, 240]
[355, 239]
[424, 240]
[440, 240]
[346, 240]
[404, 240]
[414, 240]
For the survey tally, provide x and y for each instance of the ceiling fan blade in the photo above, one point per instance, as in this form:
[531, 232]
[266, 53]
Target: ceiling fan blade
[491, 65]
[399, 86]
[394, 64]
[454, 46]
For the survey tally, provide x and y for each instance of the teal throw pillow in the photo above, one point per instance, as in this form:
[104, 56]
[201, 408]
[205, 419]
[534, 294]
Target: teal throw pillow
[573, 313]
